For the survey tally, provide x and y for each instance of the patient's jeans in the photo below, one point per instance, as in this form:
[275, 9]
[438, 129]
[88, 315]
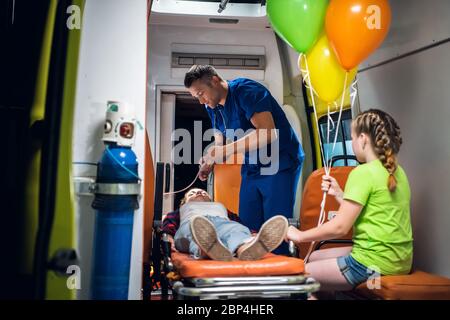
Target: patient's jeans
[231, 233]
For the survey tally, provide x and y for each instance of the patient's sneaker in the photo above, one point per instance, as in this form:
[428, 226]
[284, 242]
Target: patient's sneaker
[205, 237]
[269, 237]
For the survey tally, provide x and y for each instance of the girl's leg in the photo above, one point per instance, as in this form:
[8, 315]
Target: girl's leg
[329, 253]
[328, 274]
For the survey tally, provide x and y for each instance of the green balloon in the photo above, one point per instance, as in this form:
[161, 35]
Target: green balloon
[298, 22]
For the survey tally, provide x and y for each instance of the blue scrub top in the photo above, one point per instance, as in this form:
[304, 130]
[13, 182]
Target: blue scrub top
[244, 98]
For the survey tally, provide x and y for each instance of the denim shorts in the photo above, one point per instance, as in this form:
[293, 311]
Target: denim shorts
[354, 272]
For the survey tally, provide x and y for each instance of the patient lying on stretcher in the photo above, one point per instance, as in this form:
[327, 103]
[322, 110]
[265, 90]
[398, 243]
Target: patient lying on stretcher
[207, 229]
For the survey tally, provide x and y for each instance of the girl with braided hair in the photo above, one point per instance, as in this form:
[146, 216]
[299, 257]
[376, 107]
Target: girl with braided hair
[375, 202]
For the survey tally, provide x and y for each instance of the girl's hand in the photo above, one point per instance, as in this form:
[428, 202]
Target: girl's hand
[331, 186]
[293, 234]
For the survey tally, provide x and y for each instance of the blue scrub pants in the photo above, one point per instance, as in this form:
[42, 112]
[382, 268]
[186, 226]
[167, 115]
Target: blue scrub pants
[262, 197]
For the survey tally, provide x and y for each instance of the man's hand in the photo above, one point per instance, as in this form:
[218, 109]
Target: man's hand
[205, 169]
[216, 154]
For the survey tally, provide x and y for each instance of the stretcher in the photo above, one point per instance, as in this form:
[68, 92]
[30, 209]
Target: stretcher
[272, 277]
[182, 277]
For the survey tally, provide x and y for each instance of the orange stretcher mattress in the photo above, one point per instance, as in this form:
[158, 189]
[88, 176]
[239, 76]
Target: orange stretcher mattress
[270, 265]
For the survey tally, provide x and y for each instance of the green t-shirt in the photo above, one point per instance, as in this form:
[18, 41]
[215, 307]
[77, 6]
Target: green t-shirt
[382, 236]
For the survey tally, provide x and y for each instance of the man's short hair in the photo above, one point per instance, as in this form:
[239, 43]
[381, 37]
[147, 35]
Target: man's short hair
[199, 72]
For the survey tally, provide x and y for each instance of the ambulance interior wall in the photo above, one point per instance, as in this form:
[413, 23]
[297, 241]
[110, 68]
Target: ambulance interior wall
[112, 66]
[415, 91]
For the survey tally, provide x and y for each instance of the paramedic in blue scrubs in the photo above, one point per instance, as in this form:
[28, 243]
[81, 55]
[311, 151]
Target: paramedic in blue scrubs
[246, 104]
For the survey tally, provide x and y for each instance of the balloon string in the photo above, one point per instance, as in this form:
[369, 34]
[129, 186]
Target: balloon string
[307, 79]
[338, 122]
[327, 163]
[327, 166]
[353, 92]
[330, 119]
[328, 132]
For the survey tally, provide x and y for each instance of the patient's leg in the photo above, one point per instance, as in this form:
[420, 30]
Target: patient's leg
[204, 234]
[184, 241]
[329, 253]
[269, 237]
[231, 233]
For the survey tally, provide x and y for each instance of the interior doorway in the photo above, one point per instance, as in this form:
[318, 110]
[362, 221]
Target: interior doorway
[183, 114]
[188, 114]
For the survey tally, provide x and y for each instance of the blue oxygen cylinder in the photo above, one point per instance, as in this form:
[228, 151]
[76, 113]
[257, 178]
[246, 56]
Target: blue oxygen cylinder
[113, 225]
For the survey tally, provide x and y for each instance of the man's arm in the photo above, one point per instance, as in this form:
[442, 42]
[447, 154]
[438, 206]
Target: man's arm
[264, 134]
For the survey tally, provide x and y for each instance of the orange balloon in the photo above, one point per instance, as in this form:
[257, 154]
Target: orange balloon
[356, 28]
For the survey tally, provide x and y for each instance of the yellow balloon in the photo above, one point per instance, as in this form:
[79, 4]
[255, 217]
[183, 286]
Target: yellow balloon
[326, 74]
